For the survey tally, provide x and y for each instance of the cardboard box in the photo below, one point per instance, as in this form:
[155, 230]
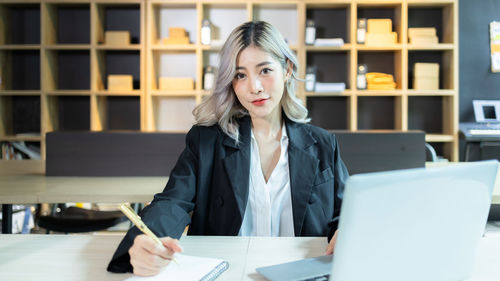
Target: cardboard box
[117, 38]
[424, 40]
[424, 69]
[379, 26]
[176, 83]
[421, 31]
[176, 32]
[120, 83]
[167, 41]
[425, 83]
[381, 38]
[426, 76]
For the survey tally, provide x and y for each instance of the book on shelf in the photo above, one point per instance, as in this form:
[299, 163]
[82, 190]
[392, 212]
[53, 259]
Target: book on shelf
[188, 268]
[329, 42]
[329, 87]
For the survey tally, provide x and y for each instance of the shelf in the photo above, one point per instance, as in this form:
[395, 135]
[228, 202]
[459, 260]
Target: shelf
[19, 93]
[185, 47]
[379, 93]
[21, 138]
[329, 94]
[76, 47]
[431, 92]
[176, 93]
[345, 47]
[397, 47]
[68, 93]
[439, 138]
[118, 93]
[131, 47]
[22, 167]
[438, 47]
[20, 47]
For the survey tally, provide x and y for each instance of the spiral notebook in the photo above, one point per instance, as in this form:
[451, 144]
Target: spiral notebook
[188, 268]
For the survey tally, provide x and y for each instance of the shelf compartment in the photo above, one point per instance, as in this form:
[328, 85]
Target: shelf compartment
[446, 67]
[69, 113]
[388, 62]
[163, 16]
[377, 113]
[387, 10]
[274, 14]
[172, 64]
[330, 113]
[118, 17]
[60, 71]
[118, 113]
[331, 20]
[173, 114]
[117, 62]
[438, 15]
[223, 19]
[20, 115]
[20, 24]
[67, 24]
[325, 72]
[20, 70]
[429, 114]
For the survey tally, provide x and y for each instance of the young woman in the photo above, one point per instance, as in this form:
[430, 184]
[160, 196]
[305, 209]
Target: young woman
[252, 165]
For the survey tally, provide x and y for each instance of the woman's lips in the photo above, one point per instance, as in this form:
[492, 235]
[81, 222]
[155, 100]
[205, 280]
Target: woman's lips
[259, 102]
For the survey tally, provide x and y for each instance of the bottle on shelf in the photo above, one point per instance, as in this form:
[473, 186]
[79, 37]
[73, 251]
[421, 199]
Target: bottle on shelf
[205, 32]
[310, 32]
[361, 77]
[361, 35]
[310, 78]
[208, 78]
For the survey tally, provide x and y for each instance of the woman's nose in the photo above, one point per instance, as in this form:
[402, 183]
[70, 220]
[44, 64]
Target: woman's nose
[256, 86]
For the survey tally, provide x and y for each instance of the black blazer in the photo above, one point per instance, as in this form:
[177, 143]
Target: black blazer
[208, 187]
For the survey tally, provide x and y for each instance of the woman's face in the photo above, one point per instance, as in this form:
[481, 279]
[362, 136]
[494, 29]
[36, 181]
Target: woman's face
[259, 82]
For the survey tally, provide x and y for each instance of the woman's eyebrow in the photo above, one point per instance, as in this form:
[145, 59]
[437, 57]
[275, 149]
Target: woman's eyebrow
[258, 65]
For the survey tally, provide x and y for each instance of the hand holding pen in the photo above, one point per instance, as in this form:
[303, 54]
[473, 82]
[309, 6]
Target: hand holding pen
[149, 254]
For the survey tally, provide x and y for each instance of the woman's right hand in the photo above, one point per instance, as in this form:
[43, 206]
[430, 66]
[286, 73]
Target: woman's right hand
[148, 258]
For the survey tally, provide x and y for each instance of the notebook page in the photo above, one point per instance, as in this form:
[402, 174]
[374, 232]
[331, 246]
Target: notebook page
[188, 268]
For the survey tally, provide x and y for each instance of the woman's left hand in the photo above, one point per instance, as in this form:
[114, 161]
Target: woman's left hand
[331, 245]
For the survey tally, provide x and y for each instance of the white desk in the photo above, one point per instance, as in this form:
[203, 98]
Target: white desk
[85, 257]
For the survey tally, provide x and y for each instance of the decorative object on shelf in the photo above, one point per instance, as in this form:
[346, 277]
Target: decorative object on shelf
[329, 42]
[422, 35]
[426, 76]
[208, 78]
[361, 77]
[310, 78]
[310, 32]
[495, 46]
[117, 38]
[206, 33]
[361, 35]
[177, 35]
[117, 83]
[329, 87]
[380, 81]
[379, 32]
[176, 83]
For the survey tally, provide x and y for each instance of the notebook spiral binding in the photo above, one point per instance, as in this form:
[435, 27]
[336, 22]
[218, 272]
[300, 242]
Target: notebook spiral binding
[212, 275]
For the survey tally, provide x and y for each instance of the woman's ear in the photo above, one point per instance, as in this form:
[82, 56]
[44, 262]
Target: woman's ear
[288, 70]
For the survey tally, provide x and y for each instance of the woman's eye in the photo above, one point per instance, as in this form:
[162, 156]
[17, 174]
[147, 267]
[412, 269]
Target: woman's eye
[239, 76]
[266, 71]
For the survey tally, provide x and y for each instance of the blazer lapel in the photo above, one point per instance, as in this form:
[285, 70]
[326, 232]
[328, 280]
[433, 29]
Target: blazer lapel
[303, 166]
[237, 163]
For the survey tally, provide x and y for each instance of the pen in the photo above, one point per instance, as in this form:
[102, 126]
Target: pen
[131, 214]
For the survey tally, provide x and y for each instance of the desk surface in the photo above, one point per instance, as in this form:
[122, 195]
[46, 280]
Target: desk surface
[42, 189]
[85, 257]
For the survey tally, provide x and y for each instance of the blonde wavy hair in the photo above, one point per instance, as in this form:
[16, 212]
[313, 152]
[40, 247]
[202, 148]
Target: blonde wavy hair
[222, 106]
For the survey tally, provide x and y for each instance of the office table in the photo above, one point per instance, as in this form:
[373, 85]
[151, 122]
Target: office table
[34, 189]
[85, 257]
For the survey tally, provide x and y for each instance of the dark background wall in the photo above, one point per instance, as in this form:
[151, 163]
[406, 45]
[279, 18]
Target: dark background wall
[476, 79]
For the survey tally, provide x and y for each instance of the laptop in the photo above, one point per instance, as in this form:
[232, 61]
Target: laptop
[487, 125]
[415, 224]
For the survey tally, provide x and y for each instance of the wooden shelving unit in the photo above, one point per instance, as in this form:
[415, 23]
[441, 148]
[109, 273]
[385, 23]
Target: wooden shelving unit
[56, 61]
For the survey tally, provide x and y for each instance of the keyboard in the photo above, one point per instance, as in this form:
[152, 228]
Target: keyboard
[490, 132]
[325, 277]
